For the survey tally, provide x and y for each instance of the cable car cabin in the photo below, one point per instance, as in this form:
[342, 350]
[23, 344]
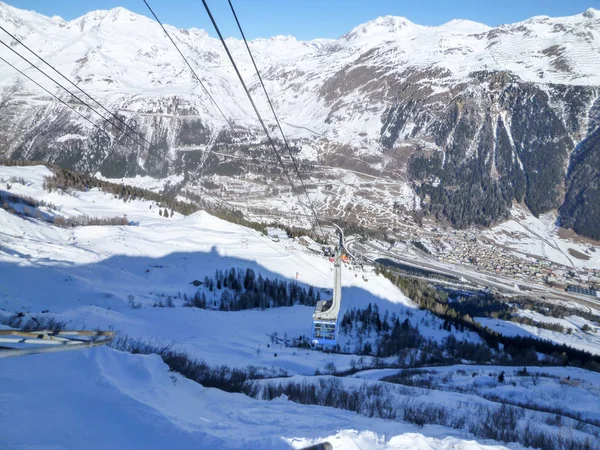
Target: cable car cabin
[325, 330]
[325, 317]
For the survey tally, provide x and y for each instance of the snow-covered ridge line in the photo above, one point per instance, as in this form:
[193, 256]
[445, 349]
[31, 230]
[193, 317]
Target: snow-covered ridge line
[388, 21]
[466, 36]
[140, 72]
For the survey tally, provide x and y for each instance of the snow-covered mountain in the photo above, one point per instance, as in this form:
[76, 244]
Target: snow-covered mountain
[476, 116]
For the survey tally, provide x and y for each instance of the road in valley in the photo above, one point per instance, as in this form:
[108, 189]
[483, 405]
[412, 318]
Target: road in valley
[501, 283]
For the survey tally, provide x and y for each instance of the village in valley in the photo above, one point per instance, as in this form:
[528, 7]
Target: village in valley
[488, 256]
[479, 252]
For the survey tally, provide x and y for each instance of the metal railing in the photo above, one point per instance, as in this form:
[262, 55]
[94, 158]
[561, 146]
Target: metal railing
[21, 343]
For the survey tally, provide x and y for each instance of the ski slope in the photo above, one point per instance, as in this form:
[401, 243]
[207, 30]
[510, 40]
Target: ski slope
[104, 398]
[85, 275]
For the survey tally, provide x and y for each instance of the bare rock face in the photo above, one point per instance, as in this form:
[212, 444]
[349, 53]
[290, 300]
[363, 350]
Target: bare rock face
[473, 117]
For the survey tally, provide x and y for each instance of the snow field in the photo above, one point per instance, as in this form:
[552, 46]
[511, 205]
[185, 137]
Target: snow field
[104, 398]
[85, 277]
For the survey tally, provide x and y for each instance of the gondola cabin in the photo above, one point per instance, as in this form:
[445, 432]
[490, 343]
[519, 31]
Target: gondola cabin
[325, 332]
[325, 317]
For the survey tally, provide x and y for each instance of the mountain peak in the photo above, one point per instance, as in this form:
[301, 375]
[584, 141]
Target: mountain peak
[389, 23]
[105, 16]
[379, 26]
[114, 14]
[7, 11]
[465, 26]
[25, 21]
[591, 13]
[282, 38]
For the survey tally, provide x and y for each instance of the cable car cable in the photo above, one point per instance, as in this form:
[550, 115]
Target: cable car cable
[275, 115]
[260, 119]
[70, 93]
[74, 85]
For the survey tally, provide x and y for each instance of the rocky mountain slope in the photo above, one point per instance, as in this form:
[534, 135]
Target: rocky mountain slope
[473, 117]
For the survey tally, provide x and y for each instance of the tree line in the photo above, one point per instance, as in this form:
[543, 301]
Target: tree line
[65, 179]
[29, 207]
[486, 305]
[520, 348]
[242, 289]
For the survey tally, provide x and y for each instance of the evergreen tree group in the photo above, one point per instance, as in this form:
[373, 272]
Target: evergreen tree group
[514, 349]
[238, 289]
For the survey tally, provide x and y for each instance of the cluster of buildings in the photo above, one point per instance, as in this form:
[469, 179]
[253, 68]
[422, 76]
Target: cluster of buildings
[492, 258]
[468, 249]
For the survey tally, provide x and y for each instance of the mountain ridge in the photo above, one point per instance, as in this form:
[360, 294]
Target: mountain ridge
[384, 96]
[589, 13]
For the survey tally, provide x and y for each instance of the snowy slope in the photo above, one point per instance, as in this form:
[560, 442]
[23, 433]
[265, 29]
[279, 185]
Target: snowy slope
[85, 276]
[538, 237]
[586, 341]
[550, 387]
[103, 398]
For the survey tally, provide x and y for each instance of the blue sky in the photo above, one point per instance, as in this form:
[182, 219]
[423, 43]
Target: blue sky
[308, 19]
